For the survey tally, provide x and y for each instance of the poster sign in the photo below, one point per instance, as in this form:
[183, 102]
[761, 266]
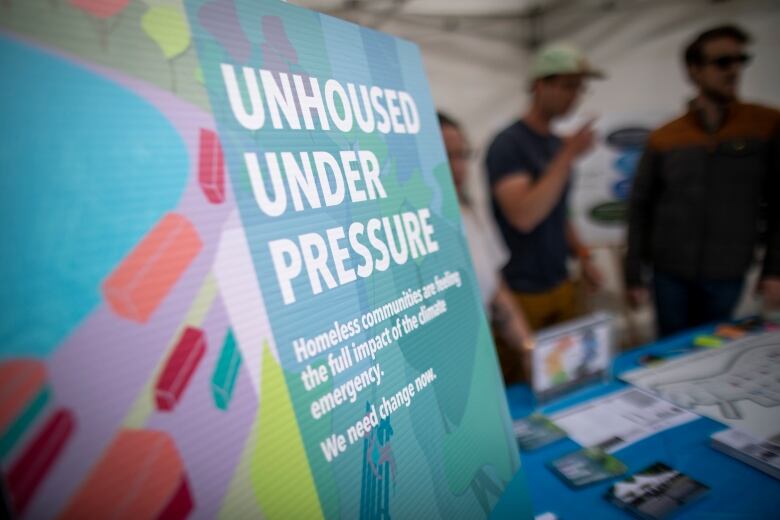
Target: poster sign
[239, 284]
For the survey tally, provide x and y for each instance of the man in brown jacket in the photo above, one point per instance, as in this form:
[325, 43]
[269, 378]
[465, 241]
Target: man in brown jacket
[707, 195]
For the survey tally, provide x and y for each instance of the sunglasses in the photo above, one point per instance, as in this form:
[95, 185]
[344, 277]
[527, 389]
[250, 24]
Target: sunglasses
[727, 61]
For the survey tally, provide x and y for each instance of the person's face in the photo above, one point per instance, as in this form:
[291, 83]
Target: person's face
[558, 95]
[457, 153]
[718, 74]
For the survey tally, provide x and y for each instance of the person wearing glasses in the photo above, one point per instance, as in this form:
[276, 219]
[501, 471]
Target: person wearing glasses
[706, 194]
[529, 169]
[513, 337]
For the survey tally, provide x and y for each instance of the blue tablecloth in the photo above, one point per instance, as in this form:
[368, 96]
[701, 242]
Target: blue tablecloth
[737, 489]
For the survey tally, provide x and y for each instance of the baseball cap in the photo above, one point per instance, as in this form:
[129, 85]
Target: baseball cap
[561, 58]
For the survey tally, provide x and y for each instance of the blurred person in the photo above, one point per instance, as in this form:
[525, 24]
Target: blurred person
[512, 335]
[529, 168]
[705, 195]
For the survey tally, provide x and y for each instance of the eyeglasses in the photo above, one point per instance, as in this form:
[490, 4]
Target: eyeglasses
[727, 61]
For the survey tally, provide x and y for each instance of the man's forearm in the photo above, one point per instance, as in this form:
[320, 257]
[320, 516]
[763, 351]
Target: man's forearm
[512, 328]
[576, 246]
[539, 200]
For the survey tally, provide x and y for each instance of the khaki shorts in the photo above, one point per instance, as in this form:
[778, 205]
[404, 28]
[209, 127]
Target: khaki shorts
[561, 303]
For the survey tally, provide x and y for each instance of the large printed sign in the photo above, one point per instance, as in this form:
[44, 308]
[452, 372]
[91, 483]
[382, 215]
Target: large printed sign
[235, 282]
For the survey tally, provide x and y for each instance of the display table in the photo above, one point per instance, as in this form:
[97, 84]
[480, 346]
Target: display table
[737, 489]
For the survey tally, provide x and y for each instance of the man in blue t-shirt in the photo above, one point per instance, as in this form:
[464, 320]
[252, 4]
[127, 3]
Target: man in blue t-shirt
[529, 168]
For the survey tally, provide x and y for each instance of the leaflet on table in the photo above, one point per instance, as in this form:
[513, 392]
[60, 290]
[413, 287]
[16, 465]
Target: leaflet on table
[620, 419]
[736, 384]
[536, 431]
[657, 492]
[587, 466]
[761, 454]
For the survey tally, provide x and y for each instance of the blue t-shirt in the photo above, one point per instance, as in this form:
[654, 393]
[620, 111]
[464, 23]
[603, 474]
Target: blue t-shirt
[537, 259]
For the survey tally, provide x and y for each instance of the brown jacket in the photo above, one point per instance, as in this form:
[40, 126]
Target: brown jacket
[702, 201]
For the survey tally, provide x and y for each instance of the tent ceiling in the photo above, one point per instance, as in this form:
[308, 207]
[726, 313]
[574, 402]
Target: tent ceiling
[433, 7]
[478, 8]
[526, 23]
